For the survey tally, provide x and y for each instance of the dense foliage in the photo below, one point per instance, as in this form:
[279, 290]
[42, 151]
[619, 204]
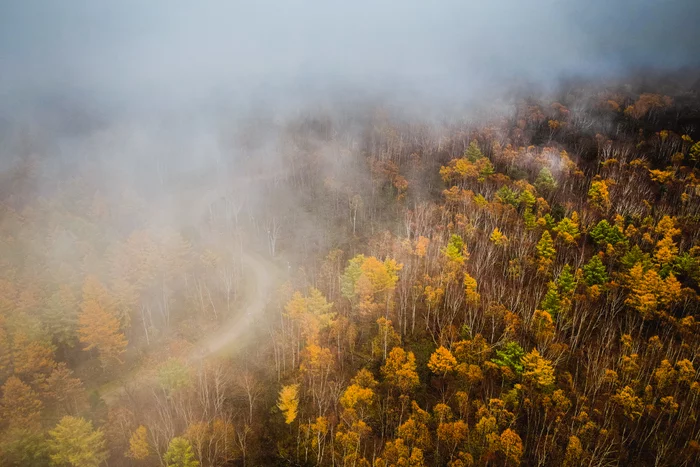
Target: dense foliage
[522, 290]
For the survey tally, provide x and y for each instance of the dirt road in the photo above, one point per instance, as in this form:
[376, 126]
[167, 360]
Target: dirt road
[261, 277]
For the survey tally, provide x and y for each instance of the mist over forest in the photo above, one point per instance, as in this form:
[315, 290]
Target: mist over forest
[383, 233]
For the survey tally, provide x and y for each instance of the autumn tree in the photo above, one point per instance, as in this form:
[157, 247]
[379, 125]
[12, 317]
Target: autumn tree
[400, 370]
[397, 454]
[20, 405]
[74, 442]
[100, 330]
[545, 251]
[598, 196]
[360, 395]
[20, 447]
[567, 229]
[649, 293]
[442, 361]
[537, 370]
[312, 312]
[179, 454]
[288, 402]
[369, 283]
[60, 316]
[139, 448]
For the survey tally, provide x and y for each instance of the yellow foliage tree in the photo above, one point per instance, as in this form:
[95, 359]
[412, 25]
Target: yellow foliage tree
[398, 454]
[498, 238]
[538, 371]
[288, 402]
[312, 312]
[631, 405]
[599, 196]
[470, 289]
[99, 329]
[649, 293]
[19, 406]
[360, 396]
[511, 445]
[400, 370]
[442, 361]
[370, 283]
[139, 448]
[545, 251]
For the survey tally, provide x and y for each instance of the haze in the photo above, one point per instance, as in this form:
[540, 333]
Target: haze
[360, 233]
[137, 55]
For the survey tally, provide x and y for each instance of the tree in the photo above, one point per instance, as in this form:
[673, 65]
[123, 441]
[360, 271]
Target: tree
[387, 338]
[442, 361]
[415, 430]
[630, 404]
[369, 283]
[75, 442]
[545, 251]
[574, 451]
[173, 375]
[61, 316]
[455, 249]
[360, 395]
[100, 330]
[5, 351]
[139, 448]
[20, 407]
[32, 360]
[400, 370]
[473, 153]
[511, 445]
[507, 196]
[22, 447]
[538, 371]
[452, 435]
[288, 402]
[510, 356]
[594, 272]
[551, 303]
[604, 233]
[94, 291]
[527, 199]
[312, 312]
[545, 182]
[470, 289]
[349, 440]
[179, 454]
[398, 454]
[666, 248]
[598, 196]
[66, 390]
[566, 280]
[649, 293]
[567, 230]
[498, 238]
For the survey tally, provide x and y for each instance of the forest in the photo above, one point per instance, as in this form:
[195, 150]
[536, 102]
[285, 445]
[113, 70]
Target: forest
[361, 288]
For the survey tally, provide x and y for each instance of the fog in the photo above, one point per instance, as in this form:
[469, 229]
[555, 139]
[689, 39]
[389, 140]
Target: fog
[171, 172]
[167, 55]
[161, 95]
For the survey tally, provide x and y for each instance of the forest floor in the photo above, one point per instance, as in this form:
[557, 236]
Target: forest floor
[262, 276]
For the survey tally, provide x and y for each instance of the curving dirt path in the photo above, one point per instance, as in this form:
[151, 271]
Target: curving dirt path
[260, 283]
[262, 275]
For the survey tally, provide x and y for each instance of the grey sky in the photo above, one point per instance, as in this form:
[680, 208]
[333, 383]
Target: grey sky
[141, 53]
